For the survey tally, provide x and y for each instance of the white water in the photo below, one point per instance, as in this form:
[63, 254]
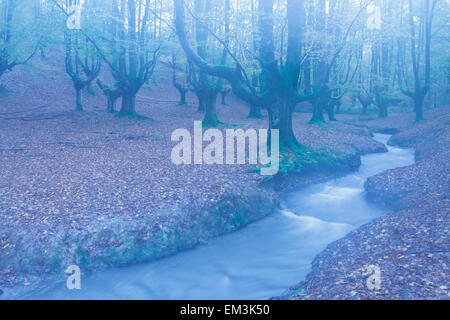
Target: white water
[258, 262]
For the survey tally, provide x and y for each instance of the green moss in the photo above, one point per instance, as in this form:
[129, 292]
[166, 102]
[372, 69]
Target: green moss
[301, 159]
[83, 261]
[55, 262]
[239, 219]
[122, 242]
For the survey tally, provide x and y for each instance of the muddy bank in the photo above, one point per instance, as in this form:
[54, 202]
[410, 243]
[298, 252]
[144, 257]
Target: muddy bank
[410, 246]
[424, 184]
[122, 242]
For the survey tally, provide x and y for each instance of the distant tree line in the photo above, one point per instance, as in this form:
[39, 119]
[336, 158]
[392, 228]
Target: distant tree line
[272, 54]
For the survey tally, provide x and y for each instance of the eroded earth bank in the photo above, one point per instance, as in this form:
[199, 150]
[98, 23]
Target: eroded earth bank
[411, 245]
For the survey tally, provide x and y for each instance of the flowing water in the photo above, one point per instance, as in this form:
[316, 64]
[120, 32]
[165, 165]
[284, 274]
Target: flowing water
[257, 262]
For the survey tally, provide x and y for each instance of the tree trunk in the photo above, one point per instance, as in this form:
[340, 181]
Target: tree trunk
[79, 99]
[224, 94]
[210, 119]
[201, 101]
[128, 104]
[111, 103]
[418, 107]
[330, 111]
[255, 112]
[382, 110]
[181, 90]
[338, 107]
[364, 108]
[2, 88]
[182, 97]
[319, 104]
[111, 96]
[307, 75]
[280, 117]
[89, 88]
[317, 116]
[125, 104]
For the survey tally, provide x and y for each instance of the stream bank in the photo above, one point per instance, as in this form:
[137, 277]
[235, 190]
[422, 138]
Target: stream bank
[411, 245]
[106, 243]
[89, 188]
[256, 262]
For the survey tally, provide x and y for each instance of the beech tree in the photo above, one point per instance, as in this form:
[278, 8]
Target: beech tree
[136, 61]
[255, 110]
[180, 83]
[280, 75]
[331, 53]
[130, 49]
[224, 93]
[82, 63]
[205, 87]
[420, 20]
[280, 82]
[272, 54]
[14, 48]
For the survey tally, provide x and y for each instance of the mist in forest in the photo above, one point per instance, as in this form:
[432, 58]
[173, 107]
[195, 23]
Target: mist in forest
[133, 130]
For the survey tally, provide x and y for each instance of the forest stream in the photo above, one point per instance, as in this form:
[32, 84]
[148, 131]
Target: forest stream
[261, 260]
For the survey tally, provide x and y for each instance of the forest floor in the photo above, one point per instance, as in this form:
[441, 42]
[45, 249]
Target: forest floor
[411, 246]
[95, 190]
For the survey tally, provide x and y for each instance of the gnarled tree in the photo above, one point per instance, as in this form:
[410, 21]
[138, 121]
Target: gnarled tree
[9, 46]
[420, 25]
[80, 56]
[279, 92]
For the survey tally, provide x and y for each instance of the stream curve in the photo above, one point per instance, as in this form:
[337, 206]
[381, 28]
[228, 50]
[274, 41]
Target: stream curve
[259, 261]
